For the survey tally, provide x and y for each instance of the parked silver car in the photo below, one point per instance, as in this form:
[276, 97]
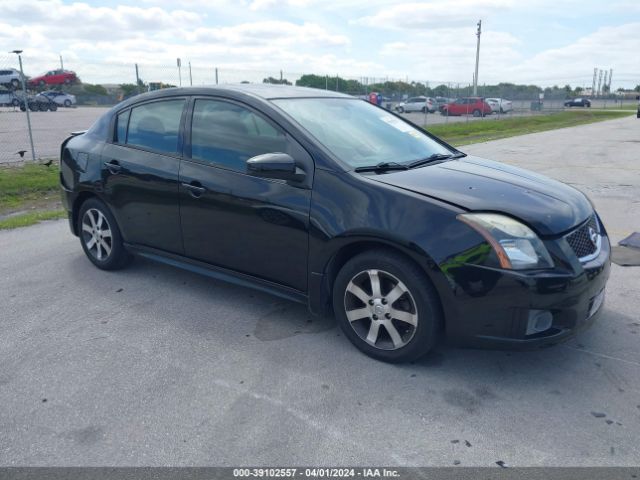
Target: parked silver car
[61, 98]
[10, 77]
[8, 98]
[417, 104]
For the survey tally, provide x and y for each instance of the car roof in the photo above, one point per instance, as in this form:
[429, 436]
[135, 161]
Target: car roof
[265, 91]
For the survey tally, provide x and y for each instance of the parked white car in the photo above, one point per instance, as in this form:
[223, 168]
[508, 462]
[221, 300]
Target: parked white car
[10, 77]
[499, 105]
[8, 98]
[417, 104]
[61, 98]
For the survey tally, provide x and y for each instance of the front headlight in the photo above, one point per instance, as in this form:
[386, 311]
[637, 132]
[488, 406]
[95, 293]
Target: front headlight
[515, 244]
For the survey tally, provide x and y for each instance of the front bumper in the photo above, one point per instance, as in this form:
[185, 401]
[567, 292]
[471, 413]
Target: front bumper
[493, 307]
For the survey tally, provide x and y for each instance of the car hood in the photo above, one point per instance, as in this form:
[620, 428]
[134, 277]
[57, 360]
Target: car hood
[548, 206]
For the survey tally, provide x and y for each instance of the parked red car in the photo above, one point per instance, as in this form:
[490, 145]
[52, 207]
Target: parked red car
[475, 106]
[54, 77]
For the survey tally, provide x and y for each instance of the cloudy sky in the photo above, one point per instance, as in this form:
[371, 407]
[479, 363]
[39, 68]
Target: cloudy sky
[526, 41]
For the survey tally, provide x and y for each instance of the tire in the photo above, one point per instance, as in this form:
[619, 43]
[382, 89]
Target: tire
[23, 108]
[53, 107]
[67, 103]
[396, 340]
[443, 111]
[15, 83]
[15, 102]
[424, 110]
[43, 107]
[108, 253]
[33, 107]
[477, 113]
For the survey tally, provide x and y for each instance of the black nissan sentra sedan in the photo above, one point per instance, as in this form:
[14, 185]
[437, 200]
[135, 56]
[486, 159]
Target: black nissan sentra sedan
[325, 199]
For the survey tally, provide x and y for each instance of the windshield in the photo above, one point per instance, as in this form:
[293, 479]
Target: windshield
[360, 134]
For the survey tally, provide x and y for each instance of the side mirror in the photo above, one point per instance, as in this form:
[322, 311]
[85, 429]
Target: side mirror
[275, 165]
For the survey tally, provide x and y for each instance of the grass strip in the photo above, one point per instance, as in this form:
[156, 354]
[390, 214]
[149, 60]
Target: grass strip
[465, 133]
[30, 218]
[23, 184]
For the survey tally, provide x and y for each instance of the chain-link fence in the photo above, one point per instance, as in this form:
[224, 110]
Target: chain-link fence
[71, 97]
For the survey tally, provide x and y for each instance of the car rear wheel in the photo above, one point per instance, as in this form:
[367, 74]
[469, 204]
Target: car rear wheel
[100, 236]
[15, 102]
[386, 306]
[53, 107]
[15, 83]
[67, 103]
[43, 107]
[477, 113]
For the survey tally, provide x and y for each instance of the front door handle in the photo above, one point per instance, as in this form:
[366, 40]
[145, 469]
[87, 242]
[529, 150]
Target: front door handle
[195, 189]
[113, 167]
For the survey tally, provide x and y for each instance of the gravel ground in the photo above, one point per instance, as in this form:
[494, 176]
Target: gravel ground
[156, 366]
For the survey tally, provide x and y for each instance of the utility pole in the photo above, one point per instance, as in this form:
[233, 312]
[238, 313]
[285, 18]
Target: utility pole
[179, 62]
[61, 63]
[26, 104]
[216, 75]
[138, 80]
[475, 77]
[610, 75]
[604, 82]
[593, 87]
[190, 77]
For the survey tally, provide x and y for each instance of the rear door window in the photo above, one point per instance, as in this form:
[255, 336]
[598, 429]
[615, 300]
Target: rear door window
[156, 125]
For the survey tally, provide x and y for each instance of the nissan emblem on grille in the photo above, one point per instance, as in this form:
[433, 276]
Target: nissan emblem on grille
[584, 241]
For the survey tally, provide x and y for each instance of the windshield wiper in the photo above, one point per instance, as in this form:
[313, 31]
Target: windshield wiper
[435, 157]
[382, 167]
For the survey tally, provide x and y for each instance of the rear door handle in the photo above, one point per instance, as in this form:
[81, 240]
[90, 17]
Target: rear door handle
[195, 189]
[113, 167]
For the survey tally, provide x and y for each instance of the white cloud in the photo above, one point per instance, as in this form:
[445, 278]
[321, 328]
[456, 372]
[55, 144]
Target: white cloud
[440, 55]
[272, 32]
[435, 13]
[263, 4]
[613, 46]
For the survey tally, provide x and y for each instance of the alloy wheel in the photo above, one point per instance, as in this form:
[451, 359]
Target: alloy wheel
[381, 309]
[96, 234]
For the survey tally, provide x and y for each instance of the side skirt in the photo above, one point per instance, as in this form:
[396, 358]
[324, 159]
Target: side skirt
[219, 273]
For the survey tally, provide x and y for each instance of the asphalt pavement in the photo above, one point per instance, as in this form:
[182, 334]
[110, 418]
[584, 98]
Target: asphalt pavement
[157, 366]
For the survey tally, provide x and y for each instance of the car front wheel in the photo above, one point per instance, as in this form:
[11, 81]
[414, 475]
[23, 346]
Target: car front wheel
[100, 236]
[400, 110]
[67, 103]
[386, 306]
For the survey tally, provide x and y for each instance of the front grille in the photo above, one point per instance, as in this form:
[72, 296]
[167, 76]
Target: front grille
[580, 240]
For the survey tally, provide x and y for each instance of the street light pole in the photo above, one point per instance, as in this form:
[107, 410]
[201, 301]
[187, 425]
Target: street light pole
[26, 103]
[475, 78]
